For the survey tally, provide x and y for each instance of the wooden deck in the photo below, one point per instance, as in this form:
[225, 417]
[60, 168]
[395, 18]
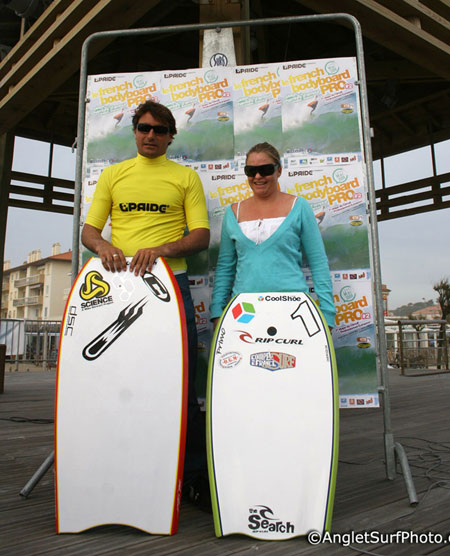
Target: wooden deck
[365, 499]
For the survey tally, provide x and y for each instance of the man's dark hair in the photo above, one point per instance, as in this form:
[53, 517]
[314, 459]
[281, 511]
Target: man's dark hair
[159, 112]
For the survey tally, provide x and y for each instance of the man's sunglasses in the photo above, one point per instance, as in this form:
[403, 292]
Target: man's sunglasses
[158, 129]
[262, 170]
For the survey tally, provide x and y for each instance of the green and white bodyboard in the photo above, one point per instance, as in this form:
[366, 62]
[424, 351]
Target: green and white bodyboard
[272, 418]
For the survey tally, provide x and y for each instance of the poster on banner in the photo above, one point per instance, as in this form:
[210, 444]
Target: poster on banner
[354, 336]
[201, 102]
[337, 198]
[257, 107]
[320, 107]
[109, 136]
[335, 189]
[201, 297]
[346, 240]
[309, 110]
[221, 190]
[113, 99]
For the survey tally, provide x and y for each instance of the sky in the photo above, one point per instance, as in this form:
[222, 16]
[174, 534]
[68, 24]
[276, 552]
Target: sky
[414, 250]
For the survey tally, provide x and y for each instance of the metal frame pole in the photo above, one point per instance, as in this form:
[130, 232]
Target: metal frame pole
[82, 100]
[389, 445]
[45, 466]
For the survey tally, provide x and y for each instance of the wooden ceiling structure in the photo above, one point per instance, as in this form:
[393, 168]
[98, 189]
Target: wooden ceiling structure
[407, 58]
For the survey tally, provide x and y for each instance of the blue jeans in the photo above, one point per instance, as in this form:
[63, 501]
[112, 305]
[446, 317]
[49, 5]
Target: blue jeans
[183, 284]
[195, 460]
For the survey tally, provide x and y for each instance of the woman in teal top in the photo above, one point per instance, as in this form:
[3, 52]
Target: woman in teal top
[263, 239]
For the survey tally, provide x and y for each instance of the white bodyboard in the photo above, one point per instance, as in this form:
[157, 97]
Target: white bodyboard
[121, 401]
[272, 418]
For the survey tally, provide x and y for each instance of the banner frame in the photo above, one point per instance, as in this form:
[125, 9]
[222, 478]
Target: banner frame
[393, 450]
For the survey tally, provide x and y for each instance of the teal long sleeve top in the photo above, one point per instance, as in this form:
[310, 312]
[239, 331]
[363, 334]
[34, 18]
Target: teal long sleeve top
[275, 264]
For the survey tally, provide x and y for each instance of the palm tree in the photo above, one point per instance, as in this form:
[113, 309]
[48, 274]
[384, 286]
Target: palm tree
[443, 290]
[416, 353]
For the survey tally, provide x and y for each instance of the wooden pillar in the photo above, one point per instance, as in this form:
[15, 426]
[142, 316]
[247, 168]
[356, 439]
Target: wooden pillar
[228, 10]
[6, 158]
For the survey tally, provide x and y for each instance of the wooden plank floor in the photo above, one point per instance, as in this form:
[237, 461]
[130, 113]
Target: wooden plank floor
[365, 499]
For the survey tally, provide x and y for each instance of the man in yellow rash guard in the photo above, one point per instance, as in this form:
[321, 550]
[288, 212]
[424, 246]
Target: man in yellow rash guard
[151, 200]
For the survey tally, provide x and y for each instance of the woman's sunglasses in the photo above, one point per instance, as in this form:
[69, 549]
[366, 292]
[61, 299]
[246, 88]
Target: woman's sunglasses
[158, 129]
[262, 170]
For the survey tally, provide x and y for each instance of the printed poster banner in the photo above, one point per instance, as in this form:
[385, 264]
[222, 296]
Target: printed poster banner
[109, 136]
[222, 189]
[201, 102]
[257, 107]
[310, 111]
[354, 337]
[320, 107]
[201, 297]
[337, 197]
[112, 102]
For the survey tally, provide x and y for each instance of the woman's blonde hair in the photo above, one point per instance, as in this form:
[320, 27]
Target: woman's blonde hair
[268, 149]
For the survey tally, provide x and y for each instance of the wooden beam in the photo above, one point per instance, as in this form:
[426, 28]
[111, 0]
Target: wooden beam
[409, 130]
[411, 211]
[401, 143]
[34, 33]
[31, 82]
[44, 190]
[380, 129]
[441, 7]
[34, 178]
[411, 198]
[400, 70]
[6, 157]
[386, 143]
[402, 195]
[28, 53]
[427, 19]
[260, 32]
[47, 197]
[32, 205]
[392, 31]
[425, 100]
[437, 124]
[224, 10]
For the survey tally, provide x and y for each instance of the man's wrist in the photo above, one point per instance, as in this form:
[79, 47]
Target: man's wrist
[163, 250]
[99, 244]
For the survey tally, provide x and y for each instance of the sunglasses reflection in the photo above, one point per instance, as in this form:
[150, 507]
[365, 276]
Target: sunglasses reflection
[262, 170]
[157, 129]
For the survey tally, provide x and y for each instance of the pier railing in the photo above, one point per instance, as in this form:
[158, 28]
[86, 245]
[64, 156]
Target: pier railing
[418, 346]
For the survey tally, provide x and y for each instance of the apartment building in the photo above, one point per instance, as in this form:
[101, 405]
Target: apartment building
[37, 289]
